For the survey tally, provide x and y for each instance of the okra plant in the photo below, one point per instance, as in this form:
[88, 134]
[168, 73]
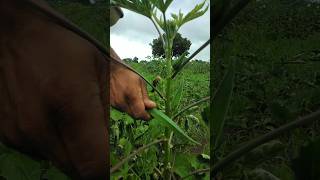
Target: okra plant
[167, 28]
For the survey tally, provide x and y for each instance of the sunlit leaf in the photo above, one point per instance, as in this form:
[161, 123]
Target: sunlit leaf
[196, 12]
[205, 156]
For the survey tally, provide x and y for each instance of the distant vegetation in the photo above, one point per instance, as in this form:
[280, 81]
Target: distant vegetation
[276, 47]
[180, 45]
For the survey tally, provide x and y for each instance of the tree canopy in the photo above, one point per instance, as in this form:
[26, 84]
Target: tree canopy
[180, 45]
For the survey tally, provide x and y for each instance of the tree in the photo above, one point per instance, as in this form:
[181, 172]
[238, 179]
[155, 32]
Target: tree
[180, 45]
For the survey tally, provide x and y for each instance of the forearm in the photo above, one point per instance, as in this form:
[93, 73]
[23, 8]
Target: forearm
[114, 55]
[114, 66]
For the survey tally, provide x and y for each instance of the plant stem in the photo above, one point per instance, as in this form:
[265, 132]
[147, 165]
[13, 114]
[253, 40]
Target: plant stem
[117, 166]
[168, 56]
[191, 105]
[158, 30]
[168, 83]
[168, 112]
[191, 57]
[196, 172]
[263, 139]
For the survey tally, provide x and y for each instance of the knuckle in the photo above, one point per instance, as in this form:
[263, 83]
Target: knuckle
[137, 114]
[138, 111]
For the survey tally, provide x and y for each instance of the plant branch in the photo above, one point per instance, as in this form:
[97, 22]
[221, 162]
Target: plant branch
[118, 165]
[191, 57]
[263, 139]
[196, 172]
[190, 106]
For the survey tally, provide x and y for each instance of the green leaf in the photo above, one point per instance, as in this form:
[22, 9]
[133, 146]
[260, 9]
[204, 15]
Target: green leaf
[161, 5]
[182, 164]
[53, 173]
[186, 163]
[205, 156]
[14, 165]
[220, 105]
[143, 7]
[158, 115]
[159, 20]
[167, 4]
[115, 114]
[125, 144]
[178, 18]
[195, 12]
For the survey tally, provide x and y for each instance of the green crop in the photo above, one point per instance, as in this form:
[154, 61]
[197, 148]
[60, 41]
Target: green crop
[173, 90]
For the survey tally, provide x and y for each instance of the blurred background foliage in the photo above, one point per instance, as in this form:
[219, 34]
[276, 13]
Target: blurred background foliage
[276, 44]
[91, 18]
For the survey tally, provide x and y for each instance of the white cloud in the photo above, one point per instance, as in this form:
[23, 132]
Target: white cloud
[128, 47]
[131, 36]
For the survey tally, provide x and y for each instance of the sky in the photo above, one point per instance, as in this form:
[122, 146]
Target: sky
[132, 34]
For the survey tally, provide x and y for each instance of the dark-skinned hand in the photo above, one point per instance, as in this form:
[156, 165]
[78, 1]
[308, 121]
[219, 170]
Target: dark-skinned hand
[128, 91]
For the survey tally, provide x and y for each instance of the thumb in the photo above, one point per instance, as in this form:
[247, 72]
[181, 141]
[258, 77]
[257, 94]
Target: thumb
[149, 104]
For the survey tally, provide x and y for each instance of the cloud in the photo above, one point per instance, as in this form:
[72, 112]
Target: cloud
[129, 47]
[131, 36]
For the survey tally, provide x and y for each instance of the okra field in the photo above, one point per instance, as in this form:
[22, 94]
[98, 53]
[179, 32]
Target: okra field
[260, 91]
[128, 134]
[175, 143]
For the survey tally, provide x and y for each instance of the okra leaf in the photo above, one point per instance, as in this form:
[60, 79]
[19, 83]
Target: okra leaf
[143, 7]
[158, 115]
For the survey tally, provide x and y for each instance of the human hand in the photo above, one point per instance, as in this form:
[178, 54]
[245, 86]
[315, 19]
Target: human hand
[128, 91]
